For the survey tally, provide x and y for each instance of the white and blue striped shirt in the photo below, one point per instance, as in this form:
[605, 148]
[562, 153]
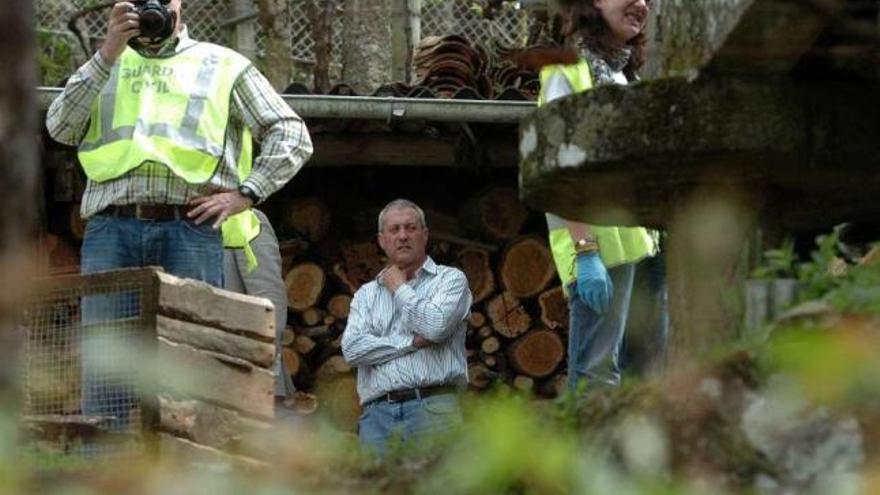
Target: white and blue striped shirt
[382, 325]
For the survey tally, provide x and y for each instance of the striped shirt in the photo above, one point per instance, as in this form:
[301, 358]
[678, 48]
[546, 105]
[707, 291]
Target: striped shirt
[285, 142]
[382, 325]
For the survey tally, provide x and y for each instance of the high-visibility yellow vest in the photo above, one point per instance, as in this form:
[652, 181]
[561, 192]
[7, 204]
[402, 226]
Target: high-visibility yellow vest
[617, 245]
[173, 111]
[239, 230]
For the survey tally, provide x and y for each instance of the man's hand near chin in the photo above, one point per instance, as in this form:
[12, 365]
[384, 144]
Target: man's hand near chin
[393, 277]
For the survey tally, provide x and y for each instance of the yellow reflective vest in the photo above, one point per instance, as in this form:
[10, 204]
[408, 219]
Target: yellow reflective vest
[173, 111]
[617, 245]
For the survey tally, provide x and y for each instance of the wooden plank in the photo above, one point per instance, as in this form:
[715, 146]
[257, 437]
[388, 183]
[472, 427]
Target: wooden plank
[174, 448]
[199, 302]
[215, 378]
[496, 149]
[204, 423]
[217, 340]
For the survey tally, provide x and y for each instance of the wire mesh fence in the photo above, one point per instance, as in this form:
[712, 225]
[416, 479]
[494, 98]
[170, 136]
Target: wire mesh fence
[86, 341]
[61, 50]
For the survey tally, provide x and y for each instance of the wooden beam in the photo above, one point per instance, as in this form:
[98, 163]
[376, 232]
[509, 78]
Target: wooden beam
[411, 150]
[199, 302]
[216, 340]
[214, 378]
[205, 423]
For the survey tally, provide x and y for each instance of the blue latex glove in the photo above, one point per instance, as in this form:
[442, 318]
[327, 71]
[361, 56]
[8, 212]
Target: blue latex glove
[594, 286]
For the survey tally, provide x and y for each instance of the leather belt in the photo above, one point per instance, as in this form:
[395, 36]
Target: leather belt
[148, 212]
[414, 393]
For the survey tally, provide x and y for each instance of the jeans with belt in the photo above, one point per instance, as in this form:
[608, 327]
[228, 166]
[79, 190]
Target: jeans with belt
[179, 246]
[594, 340]
[383, 422]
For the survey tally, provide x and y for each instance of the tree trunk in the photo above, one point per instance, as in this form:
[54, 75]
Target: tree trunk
[405, 35]
[320, 14]
[245, 33]
[683, 34]
[277, 63]
[18, 154]
[366, 59]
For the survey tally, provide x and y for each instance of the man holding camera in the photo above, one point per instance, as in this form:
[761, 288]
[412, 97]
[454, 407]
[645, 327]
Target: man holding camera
[164, 126]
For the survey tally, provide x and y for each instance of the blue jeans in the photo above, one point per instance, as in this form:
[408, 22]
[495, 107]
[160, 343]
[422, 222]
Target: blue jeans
[182, 249]
[594, 340]
[417, 419]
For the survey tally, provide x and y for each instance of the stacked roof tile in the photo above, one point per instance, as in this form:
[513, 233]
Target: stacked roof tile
[452, 67]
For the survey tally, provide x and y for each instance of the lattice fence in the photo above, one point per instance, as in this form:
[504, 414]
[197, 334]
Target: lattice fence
[211, 20]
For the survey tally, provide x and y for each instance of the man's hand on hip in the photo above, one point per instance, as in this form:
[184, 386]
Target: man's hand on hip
[122, 26]
[594, 285]
[218, 206]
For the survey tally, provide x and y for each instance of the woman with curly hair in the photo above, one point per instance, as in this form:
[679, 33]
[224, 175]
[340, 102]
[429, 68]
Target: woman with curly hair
[597, 264]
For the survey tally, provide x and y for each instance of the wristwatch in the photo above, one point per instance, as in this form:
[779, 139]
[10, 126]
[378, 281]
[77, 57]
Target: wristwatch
[586, 245]
[248, 193]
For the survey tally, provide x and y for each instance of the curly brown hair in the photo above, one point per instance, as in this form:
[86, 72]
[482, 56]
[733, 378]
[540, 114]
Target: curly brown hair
[583, 25]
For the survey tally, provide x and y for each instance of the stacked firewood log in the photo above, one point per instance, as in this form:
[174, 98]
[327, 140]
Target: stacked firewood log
[518, 324]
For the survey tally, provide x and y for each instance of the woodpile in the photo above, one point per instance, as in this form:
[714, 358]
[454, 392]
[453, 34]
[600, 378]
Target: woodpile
[516, 330]
[517, 327]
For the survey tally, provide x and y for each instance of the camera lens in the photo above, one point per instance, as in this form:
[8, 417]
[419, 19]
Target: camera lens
[152, 23]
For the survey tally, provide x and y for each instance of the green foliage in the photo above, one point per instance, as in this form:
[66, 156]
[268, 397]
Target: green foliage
[778, 263]
[815, 276]
[858, 291]
[849, 288]
[54, 58]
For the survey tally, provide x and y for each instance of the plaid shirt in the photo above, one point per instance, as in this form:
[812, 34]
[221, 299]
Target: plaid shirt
[284, 140]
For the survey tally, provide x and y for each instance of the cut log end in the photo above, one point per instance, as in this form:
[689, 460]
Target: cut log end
[537, 354]
[475, 265]
[304, 282]
[554, 308]
[339, 305]
[479, 376]
[496, 214]
[310, 217]
[508, 316]
[526, 267]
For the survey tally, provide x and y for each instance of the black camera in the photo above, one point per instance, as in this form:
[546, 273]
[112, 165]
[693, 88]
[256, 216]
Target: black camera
[156, 21]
